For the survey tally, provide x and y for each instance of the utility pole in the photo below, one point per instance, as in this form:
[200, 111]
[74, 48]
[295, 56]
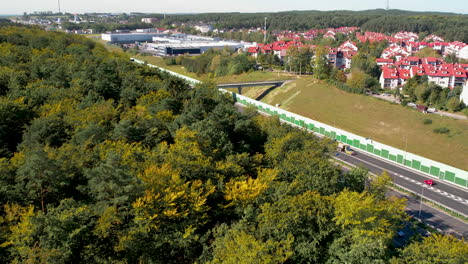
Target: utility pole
[59, 6]
[388, 4]
[265, 33]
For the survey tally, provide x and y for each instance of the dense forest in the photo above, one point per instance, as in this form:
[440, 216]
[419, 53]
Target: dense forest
[448, 25]
[105, 161]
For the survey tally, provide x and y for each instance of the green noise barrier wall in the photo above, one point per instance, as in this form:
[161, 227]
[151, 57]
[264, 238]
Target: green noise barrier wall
[400, 157]
[397, 156]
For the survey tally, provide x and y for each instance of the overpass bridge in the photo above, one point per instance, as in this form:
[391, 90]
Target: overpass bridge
[239, 86]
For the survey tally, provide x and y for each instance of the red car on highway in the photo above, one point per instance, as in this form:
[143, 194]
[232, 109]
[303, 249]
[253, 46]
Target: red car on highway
[429, 182]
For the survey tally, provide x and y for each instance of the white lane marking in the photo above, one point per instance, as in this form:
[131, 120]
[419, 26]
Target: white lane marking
[450, 196]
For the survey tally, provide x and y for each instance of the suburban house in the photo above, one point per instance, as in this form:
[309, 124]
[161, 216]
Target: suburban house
[463, 53]
[406, 36]
[330, 34]
[403, 76]
[254, 51]
[382, 61]
[374, 37]
[454, 48]
[433, 38]
[445, 75]
[431, 61]
[347, 57]
[416, 46]
[464, 94]
[389, 77]
[395, 51]
[348, 46]
[279, 48]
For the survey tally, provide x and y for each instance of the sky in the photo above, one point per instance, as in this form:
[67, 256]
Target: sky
[200, 6]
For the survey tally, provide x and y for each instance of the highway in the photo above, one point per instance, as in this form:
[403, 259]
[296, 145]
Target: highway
[435, 218]
[447, 195]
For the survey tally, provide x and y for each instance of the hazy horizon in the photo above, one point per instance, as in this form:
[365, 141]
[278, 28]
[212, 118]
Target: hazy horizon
[212, 6]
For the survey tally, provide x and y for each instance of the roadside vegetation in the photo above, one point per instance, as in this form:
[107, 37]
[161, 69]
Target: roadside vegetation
[106, 161]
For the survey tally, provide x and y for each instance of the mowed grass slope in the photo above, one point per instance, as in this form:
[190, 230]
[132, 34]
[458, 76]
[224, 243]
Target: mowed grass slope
[384, 122]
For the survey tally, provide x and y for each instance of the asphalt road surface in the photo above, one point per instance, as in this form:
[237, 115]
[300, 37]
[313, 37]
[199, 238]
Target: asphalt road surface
[435, 218]
[447, 195]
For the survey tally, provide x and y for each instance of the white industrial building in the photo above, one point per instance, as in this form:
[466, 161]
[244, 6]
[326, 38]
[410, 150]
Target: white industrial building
[183, 38]
[131, 37]
[174, 49]
[204, 28]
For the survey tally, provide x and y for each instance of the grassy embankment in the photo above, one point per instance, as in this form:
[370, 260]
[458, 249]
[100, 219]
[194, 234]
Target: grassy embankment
[384, 122]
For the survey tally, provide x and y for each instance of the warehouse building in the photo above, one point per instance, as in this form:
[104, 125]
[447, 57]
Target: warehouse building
[131, 37]
[174, 49]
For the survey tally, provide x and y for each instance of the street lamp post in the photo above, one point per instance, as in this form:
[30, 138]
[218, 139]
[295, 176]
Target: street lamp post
[420, 202]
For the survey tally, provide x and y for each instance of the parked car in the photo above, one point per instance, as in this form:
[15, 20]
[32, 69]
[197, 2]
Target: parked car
[432, 110]
[429, 182]
[411, 104]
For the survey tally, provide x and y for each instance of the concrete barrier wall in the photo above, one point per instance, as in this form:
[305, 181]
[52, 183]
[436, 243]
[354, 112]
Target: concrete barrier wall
[391, 154]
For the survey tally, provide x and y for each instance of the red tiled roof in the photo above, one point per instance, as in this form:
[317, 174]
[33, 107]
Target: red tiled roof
[404, 74]
[382, 60]
[390, 73]
[254, 49]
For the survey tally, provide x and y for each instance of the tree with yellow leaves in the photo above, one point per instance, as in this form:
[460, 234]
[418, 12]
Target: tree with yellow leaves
[435, 249]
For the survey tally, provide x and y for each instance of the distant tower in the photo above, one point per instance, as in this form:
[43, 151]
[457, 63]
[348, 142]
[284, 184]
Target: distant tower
[59, 6]
[388, 4]
[265, 33]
